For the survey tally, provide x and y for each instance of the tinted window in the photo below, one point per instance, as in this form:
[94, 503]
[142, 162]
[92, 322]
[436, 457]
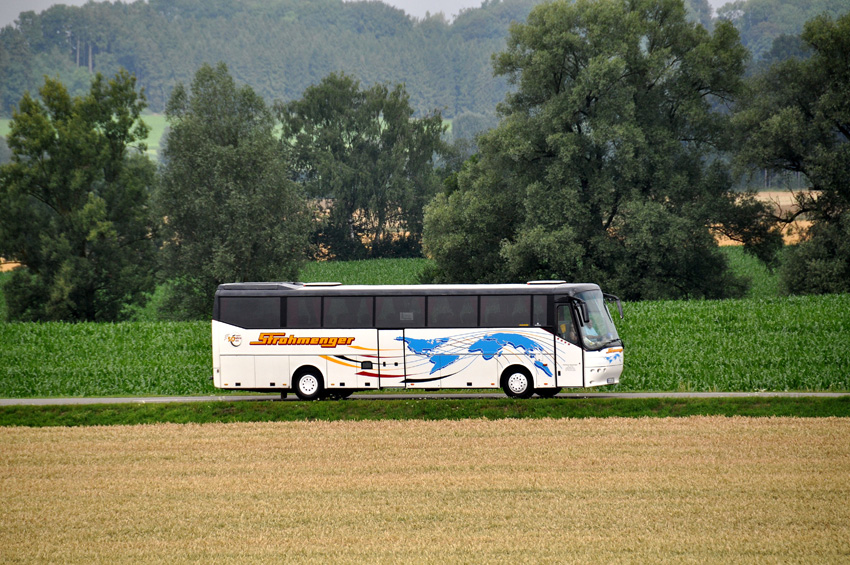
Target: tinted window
[453, 311]
[251, 312]
[505, 310]
[348, 312]
[304, 312]
[400, 312]
[540, 315]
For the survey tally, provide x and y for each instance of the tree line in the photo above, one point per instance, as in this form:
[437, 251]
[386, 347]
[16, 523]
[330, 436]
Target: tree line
[610, 162]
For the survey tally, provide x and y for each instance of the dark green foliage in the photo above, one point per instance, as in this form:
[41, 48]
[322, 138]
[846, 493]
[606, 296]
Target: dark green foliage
[230, 212]
[820, 264]
[367, 163]
[5, 152]
[74, 203]
[796, 118]
[469, 124]
[464, 225]
[599, 169]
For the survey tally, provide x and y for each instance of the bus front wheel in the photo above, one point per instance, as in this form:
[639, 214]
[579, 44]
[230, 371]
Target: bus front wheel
[309, 386]
[516, 382]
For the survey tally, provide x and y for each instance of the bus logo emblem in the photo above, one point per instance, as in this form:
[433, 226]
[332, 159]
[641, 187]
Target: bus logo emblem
[234, 340]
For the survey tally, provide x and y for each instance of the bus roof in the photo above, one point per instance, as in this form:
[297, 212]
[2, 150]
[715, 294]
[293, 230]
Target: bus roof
[330, 289]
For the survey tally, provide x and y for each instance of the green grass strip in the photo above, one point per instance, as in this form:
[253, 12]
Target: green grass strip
[417, 409]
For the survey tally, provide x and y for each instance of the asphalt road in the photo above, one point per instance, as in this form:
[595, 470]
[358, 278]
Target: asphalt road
[428, 396]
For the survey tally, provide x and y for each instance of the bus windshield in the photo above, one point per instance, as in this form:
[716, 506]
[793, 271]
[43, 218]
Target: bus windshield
[600, 331]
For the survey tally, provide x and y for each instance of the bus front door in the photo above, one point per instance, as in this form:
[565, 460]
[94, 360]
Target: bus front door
[568, 354]
[391, 358]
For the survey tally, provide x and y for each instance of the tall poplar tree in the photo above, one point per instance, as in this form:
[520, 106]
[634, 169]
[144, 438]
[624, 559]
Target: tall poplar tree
[230, 213]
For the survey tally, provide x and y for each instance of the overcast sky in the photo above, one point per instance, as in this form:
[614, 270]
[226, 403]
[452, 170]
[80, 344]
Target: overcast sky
[9, 9]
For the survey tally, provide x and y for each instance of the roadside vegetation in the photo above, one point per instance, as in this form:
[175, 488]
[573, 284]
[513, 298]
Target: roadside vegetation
[355, 409]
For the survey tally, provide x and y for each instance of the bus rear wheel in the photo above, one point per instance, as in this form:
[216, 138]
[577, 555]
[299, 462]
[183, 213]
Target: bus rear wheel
[309, 386]
[516, 382]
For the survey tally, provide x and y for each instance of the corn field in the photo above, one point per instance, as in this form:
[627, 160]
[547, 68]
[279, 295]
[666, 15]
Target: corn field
[766, 344]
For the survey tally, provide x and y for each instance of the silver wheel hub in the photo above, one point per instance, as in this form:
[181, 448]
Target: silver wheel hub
[308, 384]
[518, 383]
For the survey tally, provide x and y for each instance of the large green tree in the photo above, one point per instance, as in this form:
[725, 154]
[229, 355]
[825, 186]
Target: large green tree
[74, 203]
[362, 154]
[796, 117]
[230, 212]
[600, 168]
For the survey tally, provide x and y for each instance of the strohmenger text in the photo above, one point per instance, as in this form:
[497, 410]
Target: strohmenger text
[283, 339]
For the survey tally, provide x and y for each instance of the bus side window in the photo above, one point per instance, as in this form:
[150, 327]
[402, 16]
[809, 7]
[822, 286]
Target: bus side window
[400, 311]
[251, 312]
[303, 312]
[468, 316]
[348, 312]
[452, 311]
[539, 311]
[505, 311]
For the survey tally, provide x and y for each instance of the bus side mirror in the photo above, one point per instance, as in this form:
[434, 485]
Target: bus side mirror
[612, 298]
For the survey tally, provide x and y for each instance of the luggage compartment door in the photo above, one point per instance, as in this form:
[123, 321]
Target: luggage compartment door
[391, 367]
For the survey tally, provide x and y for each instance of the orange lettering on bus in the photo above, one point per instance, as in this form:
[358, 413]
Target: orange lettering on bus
[267, 338]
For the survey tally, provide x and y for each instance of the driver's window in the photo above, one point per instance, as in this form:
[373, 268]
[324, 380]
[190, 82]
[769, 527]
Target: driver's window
[566, 328]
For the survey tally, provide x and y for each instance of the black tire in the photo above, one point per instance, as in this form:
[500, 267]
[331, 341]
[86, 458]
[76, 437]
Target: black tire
[517, 383]
[309, 386]
[339, 394]
[548, 392]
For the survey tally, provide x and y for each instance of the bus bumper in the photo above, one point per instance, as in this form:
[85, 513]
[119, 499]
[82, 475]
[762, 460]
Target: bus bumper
[603, 367]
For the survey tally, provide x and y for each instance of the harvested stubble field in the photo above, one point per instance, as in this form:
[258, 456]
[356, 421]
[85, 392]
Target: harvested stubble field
[699, 489]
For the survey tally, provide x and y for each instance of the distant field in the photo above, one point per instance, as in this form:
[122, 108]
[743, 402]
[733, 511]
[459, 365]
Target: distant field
[688, 490]
[781, 202]
[158, 124]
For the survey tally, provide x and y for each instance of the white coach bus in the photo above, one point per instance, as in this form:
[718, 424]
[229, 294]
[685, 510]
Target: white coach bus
[329, 340]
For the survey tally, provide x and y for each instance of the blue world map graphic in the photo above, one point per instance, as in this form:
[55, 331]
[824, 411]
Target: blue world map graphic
[489, 346]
